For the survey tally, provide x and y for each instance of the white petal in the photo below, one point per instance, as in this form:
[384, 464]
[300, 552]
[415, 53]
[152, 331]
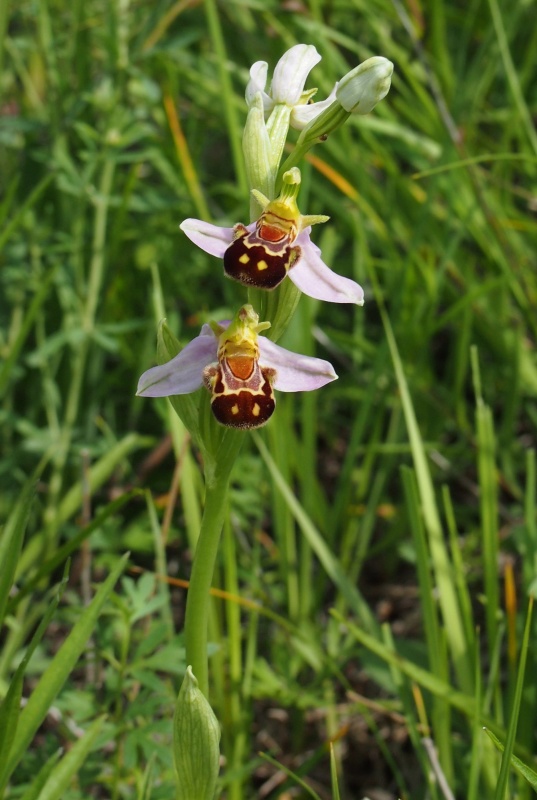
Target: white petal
[291, 72]
[257, 83]
[315, 279]
[303, 115]
[294, 373]
[184, 373]
[211, 238]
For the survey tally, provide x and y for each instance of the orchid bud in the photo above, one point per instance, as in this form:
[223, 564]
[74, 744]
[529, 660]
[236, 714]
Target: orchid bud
[257, 151]
[196, 736]
[363, 87]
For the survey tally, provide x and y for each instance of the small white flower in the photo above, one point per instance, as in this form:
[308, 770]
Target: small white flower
[358, 91]
[287, 87]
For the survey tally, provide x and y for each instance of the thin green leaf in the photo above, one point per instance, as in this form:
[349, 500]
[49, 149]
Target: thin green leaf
[442, 568]
[11, 544]
[330, 564]
[11, 705]
[501, 788]
[34, 789]
[291, 775]
[15, 347]
[59, 669]
[71, 546]
[463, 702]
[61, 776]
[527, 772]
[333, 774]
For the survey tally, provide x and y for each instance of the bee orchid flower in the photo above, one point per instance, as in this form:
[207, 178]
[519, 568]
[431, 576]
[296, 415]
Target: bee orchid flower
[240, 369]
[277, 244]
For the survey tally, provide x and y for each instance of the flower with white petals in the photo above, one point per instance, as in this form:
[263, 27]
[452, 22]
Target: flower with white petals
[358, 91]
[287, 86]
[288, 80]
[278, 244]
[239, 368]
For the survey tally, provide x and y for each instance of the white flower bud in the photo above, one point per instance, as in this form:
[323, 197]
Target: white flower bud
[363, 87]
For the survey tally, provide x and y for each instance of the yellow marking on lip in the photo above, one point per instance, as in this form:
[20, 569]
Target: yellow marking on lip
[235, 409]
[261, 265]
[244, 259]
[256, 410]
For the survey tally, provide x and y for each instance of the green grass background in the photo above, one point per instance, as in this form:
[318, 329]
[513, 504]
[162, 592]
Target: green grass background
[381, 543]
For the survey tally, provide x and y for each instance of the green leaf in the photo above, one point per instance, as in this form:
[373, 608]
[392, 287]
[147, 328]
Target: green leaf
[11, 544]
[34, 790]
[63, 552]
[13, 535]
[527, 772]
[330, 564]
[185, 405]
[11, 705]
[29, 317]
[501, 788]
[72, 501]
[61, 776]
[59, 670]
[291, 775]
[333, 774]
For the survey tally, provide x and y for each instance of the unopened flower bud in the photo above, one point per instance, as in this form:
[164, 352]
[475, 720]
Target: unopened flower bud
[257, 150]
[196, 736]
[363, 87]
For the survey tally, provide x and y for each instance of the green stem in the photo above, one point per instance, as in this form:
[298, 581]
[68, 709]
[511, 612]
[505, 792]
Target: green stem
[95, 279]
[198, 598]
[233, 127]
[317, 131]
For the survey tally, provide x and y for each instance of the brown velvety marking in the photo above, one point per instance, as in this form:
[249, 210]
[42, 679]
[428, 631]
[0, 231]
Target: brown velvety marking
[248, 272]
[237, 409]
[240, 403]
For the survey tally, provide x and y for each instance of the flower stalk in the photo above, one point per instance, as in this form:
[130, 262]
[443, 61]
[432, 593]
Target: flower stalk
[198, 597]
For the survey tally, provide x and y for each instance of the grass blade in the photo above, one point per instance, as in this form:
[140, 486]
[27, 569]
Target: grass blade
[448, 597]
[330, 564]
[10, 708]
[501, 789]
[58, 671]
[527, 772]
[63, 773]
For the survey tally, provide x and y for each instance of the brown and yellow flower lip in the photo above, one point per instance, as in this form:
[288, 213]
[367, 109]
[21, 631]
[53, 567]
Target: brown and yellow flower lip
[240, 368]
[275, 246]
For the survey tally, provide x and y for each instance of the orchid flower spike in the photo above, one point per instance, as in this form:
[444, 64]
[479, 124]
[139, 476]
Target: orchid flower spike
[278, 243]
[240, 369]
[358, 91]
